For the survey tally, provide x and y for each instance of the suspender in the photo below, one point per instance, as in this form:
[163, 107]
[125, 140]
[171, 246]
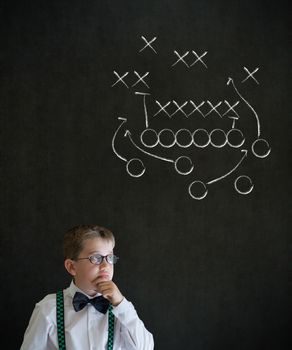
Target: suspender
[61, 324]
[60, 320]
[111, 327]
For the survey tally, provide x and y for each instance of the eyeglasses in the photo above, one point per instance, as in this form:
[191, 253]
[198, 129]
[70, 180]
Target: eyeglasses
[97, 259]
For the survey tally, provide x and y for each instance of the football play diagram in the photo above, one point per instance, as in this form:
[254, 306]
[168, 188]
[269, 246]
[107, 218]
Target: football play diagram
[151, 139]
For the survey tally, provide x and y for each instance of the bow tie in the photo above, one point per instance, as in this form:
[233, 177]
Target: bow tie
[80, 301]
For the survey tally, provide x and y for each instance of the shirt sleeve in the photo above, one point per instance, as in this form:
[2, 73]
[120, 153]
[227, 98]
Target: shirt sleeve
[36, 336]
[133, 331]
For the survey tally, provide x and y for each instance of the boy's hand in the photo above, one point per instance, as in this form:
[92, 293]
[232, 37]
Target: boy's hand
[109, 290]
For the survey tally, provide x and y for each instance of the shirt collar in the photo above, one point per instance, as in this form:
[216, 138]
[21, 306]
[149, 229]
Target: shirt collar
[73, 289]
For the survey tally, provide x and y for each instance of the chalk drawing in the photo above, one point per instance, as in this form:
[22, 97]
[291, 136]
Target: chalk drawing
[250, 75]
[141, 79]
[155, 142]
[213, 108]
[243, 181]
[232, 170]
[230, 80]
[122, 81]
[230, 108]
[180, 58]
[148, 44]
[199, 58]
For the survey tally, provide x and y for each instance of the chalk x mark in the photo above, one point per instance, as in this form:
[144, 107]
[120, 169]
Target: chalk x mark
[196, 108]
[141, 78]
[214, 108]
[148, 43]
[162, 108]
[199, 58]
[120, 79]
[181, 58]
[231, 108]
[179, 108]
[250, 75]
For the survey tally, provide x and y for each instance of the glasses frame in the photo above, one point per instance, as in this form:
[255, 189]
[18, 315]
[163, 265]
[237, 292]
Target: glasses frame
[103, 257]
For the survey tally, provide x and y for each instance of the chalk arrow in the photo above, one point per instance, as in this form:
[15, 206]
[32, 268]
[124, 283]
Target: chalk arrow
[232, 170]
[230, 80]
[144, 94]
[128, 134]
[124, 120]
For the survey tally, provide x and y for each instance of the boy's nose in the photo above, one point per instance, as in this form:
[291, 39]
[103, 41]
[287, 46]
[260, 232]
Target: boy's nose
[104, 262]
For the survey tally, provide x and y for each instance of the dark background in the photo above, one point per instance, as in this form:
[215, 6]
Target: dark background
[209, 274]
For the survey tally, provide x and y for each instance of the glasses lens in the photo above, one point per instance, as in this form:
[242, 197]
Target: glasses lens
[96, 259]
[111, 259]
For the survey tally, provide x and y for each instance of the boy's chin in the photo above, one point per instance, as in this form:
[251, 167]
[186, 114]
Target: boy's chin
[104, 278]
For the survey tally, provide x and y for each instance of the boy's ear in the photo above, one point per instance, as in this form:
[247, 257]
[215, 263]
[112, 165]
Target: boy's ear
[70, 266]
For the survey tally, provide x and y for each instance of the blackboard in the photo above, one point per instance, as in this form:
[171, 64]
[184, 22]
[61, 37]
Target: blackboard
[200, 219]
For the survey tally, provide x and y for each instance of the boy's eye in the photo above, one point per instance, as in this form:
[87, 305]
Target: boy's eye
[96, 259]
[109, 258]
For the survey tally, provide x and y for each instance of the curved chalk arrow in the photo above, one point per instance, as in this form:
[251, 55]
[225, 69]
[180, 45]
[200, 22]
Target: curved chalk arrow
[114, 137]
[230, 80]
[128, 134]
[231, 171]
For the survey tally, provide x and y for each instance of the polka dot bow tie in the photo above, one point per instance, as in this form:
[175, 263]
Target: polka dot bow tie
[80, 301]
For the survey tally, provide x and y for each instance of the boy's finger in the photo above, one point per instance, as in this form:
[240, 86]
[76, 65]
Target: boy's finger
[99, 279]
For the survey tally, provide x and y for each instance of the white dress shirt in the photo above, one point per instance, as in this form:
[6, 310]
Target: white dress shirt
[86, 329]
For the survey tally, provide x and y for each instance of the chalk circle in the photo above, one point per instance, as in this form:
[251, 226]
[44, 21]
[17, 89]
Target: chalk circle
[261, 148]
[166, 138]
[149, 138]
[218, 138]
[201, 138]
[198, 190]
[183, 138]
[243, 184]
[135, 167]
[184, 165]
[235, 138]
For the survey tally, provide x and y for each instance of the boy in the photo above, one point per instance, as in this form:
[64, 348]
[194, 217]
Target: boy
[96, 316]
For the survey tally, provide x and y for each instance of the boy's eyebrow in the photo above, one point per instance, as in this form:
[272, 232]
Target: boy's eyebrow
[98, 252]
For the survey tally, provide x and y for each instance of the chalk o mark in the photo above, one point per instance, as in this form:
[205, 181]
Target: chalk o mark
[198, 190]
[218, 138]
[166, 138]
[261, 148]
[243, 184]
[181, 137]
[149, 138]
[235, 138]
[186, 165]
[135, 167]
[201, 138]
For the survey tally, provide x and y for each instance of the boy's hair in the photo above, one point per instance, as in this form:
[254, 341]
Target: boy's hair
[75, 237]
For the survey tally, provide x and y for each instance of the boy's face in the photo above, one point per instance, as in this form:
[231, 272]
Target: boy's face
[86, 273]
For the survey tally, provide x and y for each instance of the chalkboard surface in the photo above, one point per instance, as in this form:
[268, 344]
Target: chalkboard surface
[168, 122]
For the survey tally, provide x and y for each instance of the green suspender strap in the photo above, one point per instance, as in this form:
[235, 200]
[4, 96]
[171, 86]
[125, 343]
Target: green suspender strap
[111, 327]
[61, 327]
[60, 320]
